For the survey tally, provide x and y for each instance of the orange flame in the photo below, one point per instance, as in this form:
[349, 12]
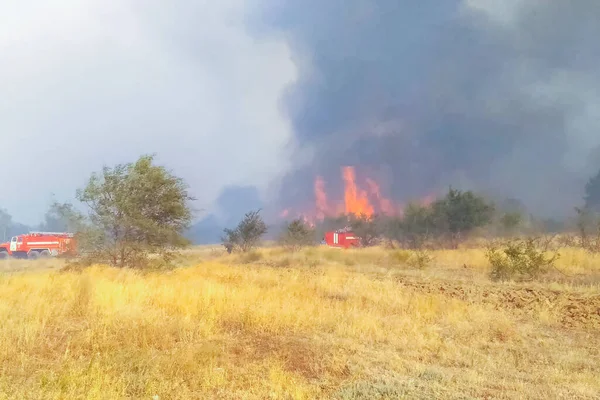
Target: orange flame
[385, 204]
[356, 200]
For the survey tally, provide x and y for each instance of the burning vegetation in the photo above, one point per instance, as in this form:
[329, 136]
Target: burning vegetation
[362, 197]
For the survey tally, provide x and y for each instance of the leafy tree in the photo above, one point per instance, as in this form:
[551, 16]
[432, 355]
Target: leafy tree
[247, 234]
[137, 211]
[417, 224]
[63, 217]
[459, 213]
[392, 231]
[368, 229]
[510, 222]
[297, 234]
[592, 193]
[588, 228]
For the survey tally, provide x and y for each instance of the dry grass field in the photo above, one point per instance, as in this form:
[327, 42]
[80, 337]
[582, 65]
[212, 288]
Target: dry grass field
[317, 324]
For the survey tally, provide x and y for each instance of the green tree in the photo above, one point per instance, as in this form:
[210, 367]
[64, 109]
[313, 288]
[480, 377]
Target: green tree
[510, 222]
[247, 234]
[138, 211]
[592, 193]
[417, 224]
[297, 234]
[63, 217]
[459, 213]
[588, 228]
[368, 229]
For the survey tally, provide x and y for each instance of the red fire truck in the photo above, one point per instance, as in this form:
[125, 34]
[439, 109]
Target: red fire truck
[341, 238]
[33, 245]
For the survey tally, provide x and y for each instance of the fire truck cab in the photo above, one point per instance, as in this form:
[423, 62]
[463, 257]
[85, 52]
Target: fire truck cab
[38, 244]
[341, 238]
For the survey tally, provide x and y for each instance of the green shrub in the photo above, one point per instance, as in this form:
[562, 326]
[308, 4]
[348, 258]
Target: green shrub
[520, 258]
[247, 235]
[399, 257]
[296, 235]
[420, 258]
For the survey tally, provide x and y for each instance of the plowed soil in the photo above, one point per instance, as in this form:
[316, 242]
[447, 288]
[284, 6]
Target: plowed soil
[573, 310]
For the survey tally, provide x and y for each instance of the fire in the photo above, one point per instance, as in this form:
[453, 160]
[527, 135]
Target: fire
[355, 199]
[361, 196]
[385, 204]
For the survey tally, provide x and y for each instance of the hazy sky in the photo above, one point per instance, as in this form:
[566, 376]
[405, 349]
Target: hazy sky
[94, 82]
[245, 92]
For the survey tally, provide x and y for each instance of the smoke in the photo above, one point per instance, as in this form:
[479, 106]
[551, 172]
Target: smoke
[231, 205]
[100, 82]
[494, 95]
[235, 201]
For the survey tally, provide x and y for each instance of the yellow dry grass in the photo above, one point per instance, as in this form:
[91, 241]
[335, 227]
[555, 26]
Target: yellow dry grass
[321, 323]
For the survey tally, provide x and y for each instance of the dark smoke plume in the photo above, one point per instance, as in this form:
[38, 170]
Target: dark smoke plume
[500, 96]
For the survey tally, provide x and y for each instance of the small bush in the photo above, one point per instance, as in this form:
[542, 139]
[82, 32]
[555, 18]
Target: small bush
[420, 258]
[297, 234]
[588, 229]
[520, 258]
[247, 235]
[399, 257]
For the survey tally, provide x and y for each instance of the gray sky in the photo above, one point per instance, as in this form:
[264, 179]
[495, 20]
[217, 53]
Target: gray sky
[94, 82]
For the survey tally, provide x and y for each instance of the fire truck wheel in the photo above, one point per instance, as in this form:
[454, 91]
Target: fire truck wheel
[44, 254]
[3, 255]
[33, 255]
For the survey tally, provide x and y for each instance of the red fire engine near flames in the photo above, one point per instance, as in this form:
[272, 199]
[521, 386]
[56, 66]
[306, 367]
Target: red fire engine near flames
[38, 244]
[342, 238]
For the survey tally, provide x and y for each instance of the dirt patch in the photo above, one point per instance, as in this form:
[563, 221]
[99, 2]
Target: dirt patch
[574, 310]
